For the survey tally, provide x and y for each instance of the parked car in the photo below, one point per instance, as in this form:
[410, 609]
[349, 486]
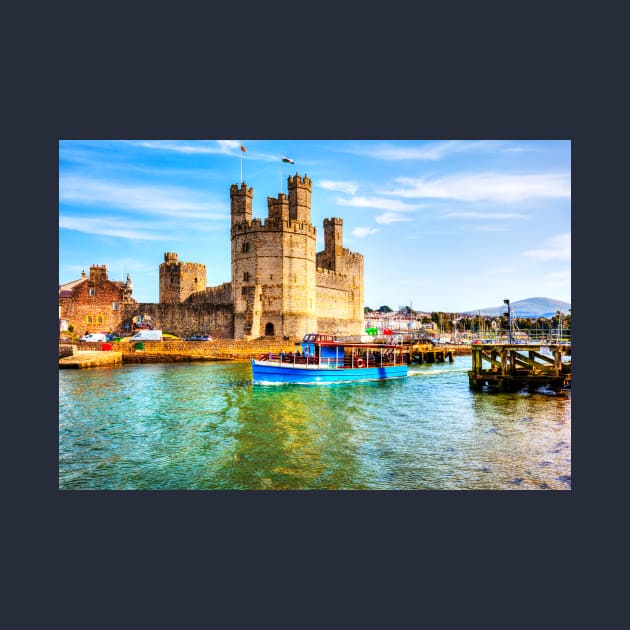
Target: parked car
[100, 337]
[170, 337]
[199, 338]
[145, 335]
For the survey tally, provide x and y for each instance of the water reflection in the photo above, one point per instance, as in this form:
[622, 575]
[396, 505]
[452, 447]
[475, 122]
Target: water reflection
[204, 426]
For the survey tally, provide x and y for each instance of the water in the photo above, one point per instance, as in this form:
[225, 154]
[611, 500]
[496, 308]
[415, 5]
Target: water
[205, 426]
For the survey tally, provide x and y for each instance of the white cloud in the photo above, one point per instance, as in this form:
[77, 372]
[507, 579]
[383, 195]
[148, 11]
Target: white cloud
[157, 200]
[554, 248]
[192, 147]
[230, 145]
[391, 217]
[349, 188]
[432, 152]
[488, 216]
[109, 226]
[489, 186]
[379, 203]
[362, 232]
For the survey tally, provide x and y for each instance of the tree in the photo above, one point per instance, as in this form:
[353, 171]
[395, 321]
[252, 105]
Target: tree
[384, 309]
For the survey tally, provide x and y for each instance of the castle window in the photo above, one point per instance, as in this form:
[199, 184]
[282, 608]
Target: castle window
[269, 330]
[91, 292]
[246, 276]
[114, 306]
[88, 319]
[244, 290]
[245, 247]
[100, 319]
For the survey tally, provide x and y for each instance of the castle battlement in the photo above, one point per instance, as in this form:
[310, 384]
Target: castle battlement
[179, 279]
[296, 179]
[273, 224]
[241, 190]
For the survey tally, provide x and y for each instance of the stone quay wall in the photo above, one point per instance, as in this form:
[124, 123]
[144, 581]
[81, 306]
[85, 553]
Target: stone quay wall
[217, 350]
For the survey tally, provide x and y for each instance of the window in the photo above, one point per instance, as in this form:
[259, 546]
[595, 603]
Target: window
[245, 247]
[114, 306]
[269, 330]
[88, 319]
[100, 319]
[91, 292]
[246, 276]
[244, 290]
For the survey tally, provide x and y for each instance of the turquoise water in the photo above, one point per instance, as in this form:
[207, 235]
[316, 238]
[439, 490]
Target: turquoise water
[205, 426]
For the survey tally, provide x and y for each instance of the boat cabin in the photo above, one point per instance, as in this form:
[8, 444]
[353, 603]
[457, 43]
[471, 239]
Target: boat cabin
[311, 346]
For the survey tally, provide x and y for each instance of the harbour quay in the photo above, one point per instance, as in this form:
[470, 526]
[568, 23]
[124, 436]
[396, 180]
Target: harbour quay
[511, 367]
[84, 354]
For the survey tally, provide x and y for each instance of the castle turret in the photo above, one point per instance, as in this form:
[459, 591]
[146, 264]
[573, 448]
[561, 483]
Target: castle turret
[179, 280]
[241, 203]
[333, 242]
[300, 198]
[278, 208]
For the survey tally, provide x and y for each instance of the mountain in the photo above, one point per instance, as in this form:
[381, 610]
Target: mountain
[531, 307]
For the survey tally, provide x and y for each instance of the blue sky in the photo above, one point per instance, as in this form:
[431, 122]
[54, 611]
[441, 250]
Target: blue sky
[443, 225]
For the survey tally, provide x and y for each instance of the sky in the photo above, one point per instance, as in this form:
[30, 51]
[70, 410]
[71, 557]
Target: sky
[450, 226]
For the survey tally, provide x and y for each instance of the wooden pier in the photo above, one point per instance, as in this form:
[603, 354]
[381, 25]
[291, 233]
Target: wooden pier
[427, 353]
[512, 367]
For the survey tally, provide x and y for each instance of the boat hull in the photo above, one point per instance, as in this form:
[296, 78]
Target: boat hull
[270, 372]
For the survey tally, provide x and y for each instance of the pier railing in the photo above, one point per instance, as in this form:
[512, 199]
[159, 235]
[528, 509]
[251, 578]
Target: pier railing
[531, 337]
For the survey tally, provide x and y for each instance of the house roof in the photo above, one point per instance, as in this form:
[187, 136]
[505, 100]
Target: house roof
[65, 290]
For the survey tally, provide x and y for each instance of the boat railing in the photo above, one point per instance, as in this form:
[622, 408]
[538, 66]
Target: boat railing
[301, 359]
[391, 357]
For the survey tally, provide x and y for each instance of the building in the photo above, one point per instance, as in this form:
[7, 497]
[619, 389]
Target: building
[280, 285]
[94, 303]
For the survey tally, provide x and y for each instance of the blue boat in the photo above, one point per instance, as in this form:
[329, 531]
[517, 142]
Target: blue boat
[323, 359]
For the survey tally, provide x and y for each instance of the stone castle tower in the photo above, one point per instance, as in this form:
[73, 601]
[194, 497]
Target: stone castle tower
[273, 263]
[180, 280]
[280, 285]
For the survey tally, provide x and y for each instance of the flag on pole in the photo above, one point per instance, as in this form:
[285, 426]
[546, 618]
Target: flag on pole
[287, 160]
[243, 150]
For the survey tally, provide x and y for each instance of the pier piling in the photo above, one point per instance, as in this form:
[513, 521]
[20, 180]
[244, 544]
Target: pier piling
[512, 367]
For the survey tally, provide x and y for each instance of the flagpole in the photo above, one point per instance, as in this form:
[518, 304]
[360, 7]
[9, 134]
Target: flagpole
[241, 152]
[280, 176]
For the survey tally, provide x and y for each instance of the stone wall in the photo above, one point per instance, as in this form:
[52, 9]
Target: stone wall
[218, 296]
[219, 350]
[186, 319]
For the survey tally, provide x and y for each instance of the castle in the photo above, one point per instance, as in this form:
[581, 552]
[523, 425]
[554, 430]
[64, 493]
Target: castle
[280, 285]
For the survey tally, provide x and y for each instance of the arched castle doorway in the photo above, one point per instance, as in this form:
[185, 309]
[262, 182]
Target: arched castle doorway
[269, 332]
